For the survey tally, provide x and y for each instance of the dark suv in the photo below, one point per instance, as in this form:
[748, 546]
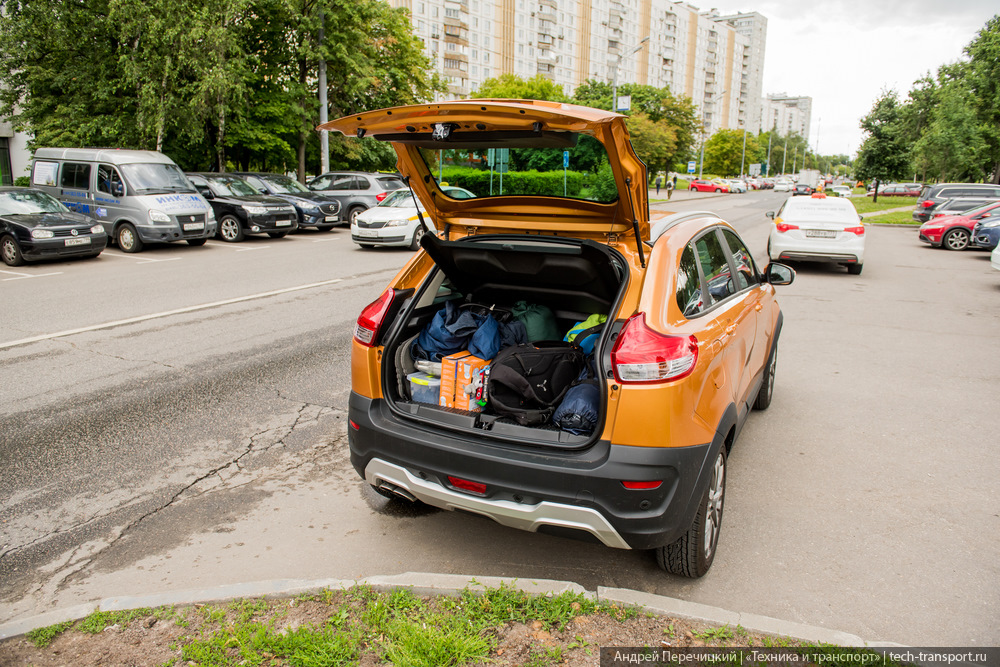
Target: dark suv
[933, 195]
[315, 209]
[240, 210]
[357, 191]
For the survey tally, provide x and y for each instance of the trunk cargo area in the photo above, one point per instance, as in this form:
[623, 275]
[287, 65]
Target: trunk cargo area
[574, 279]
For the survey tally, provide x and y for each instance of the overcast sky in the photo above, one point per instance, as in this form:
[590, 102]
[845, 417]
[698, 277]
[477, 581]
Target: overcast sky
[843, 53]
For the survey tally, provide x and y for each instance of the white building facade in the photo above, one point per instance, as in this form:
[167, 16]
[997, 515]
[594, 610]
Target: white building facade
[715, 60]
[785, 114]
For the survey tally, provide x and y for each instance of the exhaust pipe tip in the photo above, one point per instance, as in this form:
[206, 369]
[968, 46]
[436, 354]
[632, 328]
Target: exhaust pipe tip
[397, 491]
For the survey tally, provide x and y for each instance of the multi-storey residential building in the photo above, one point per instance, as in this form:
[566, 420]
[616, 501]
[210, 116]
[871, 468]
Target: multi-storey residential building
[785, 114]
[753, 26]
[710, 58]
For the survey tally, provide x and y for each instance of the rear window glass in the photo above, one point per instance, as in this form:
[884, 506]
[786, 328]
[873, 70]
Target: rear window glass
[820, 210]
[560, 164]
[391, 183]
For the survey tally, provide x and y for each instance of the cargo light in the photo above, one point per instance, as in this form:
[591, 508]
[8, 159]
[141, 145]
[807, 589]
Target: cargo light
[927, 203]
[859, 230]
[785, 227]
[642, 486]
[642, 355]
[477, 488]
[371, 319]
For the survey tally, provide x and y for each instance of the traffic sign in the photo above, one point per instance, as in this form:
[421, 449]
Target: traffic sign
[691, 165]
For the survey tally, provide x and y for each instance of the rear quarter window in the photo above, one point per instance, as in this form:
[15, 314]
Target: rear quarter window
[44, 173]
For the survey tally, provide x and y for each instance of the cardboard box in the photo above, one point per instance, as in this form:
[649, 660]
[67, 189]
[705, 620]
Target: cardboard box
[461, 373]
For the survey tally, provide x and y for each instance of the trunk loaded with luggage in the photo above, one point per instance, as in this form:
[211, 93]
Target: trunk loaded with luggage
[503, 338]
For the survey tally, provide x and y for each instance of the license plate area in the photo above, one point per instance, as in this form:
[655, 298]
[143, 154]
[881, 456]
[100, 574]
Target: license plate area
[83, 240]
[193, 226]
[368, 233]
[282, 223]
[820, 234]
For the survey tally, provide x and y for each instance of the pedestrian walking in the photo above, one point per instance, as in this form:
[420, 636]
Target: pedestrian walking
[675, 180]
[670, 188]
[658, 184]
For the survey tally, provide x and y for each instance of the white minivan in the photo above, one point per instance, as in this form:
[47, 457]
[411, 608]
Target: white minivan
[138, 196]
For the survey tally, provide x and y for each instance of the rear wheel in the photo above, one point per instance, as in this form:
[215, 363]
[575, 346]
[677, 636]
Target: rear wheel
[767, 386]
[956, 239]
[128, 239]
[718, 189]
[692, 554]
[352, 215]
[10, 251]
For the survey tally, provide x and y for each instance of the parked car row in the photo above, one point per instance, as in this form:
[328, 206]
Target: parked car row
[960, 228]
[141, 197]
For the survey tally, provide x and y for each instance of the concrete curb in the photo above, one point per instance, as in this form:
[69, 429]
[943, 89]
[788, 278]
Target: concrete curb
[422, 583]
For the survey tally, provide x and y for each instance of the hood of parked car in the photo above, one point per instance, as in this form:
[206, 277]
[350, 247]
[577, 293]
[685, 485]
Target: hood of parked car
[31, 220]
[478, 124]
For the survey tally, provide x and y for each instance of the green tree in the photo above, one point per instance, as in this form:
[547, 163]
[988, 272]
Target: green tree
[724, 151]
[952, 145]
[514, 87]
[983, 81]
[884, 153]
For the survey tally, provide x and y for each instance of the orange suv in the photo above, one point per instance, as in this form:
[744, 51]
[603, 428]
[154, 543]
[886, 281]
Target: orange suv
[561, 221]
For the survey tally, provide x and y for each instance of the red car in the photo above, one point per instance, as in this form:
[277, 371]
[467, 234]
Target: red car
[954, 232]
[714, 185]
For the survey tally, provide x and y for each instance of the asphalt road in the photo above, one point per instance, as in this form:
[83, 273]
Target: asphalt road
[207, 446]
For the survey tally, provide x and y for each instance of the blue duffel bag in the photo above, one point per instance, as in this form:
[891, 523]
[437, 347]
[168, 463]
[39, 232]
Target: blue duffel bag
[580, 409]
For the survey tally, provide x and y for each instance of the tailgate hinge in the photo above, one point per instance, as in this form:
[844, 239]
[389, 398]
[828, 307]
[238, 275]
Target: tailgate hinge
[612, 239]
[471, 231]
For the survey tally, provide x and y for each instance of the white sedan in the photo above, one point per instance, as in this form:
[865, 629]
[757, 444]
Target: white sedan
[818, 229]
[782, 186]
[394, 222]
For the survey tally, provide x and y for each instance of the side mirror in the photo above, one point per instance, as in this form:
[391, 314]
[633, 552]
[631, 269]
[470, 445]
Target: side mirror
[779, 274]
[206, 193]
[770, 214]
[117, 190]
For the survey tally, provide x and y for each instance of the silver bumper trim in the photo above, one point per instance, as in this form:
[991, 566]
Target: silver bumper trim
[505, 512]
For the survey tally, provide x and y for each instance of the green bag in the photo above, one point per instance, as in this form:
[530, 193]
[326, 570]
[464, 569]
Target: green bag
[538, 320]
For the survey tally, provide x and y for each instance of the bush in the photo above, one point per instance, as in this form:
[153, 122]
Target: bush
[532, 182]
[22, 181]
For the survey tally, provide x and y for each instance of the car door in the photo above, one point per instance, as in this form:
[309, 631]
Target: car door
[731, 324]
[74, 184]
[751, 332]
[110, 190]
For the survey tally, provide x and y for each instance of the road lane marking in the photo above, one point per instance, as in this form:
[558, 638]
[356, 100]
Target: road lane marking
[260, 247]
[138, 260]
[167, 313]
[22, 276]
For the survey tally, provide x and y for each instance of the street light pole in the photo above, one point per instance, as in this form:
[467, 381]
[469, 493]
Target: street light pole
[744, 156]
[701, 162]
[614, 72]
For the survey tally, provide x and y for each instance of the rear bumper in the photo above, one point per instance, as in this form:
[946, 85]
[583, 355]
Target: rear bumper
[571, 493]
[839, 251]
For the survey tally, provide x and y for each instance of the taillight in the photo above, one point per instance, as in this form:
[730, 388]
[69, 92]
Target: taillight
[380, 196]
[367, 327]
[785, 227]
[927, 203]
[860, 230]
[642, 355]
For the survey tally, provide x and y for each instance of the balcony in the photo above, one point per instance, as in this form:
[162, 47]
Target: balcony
[552, 4]
[547, 70]
[543, 40]
[547, 57]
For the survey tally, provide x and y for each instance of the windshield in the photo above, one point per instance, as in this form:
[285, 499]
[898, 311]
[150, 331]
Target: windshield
[230, 186]
[285, 185]
[981, 209]
[156, 177]
[28, 202]
[563, 164]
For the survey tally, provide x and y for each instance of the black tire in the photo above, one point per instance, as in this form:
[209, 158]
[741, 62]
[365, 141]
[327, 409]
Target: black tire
[352, 215]
[766, 390]
[956, 239]
[196, 242]
[693, 553]
[418, 233]
[855, 269]
[11, 251]
[230, 229]
[277, 235]
[718, 189]
[127, 239]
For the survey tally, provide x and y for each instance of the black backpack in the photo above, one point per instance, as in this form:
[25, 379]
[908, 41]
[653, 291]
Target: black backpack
[527, 382]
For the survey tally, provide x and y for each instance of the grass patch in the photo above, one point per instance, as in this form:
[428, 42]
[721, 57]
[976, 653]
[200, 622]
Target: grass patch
[42, 637]
[897, 218]
[99, 620]
[865, 204]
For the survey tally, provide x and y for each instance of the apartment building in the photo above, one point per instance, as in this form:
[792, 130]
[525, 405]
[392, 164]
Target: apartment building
[784, 113]
[710, 58]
